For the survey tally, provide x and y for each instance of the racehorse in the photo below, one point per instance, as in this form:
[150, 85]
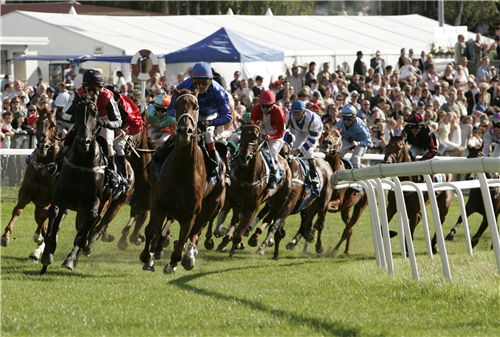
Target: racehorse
[475, 202]
[37, 183]
[80, 185]
[182, 191]
[344, 199]
[249, 179]
[397, 152]
[303, 201]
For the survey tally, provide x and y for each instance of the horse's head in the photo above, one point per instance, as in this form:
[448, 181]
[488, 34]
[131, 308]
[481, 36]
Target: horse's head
[249, 143]
[396, 150]
[332, 141]
[46, 131]
[186, 114]
[475, 152]
[86, 125]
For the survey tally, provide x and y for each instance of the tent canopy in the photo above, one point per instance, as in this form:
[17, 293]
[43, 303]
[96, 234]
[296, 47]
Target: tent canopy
[224, 46]
[79, 58]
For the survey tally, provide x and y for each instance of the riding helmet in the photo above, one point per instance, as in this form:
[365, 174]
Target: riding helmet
[93, 77]
[298, 105]
[349, 110]
[202, 70]
[415, 118]
[267, 97]
[162, 101]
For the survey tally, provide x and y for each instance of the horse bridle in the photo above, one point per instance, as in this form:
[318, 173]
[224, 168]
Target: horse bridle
[186, 114]
[333, 148]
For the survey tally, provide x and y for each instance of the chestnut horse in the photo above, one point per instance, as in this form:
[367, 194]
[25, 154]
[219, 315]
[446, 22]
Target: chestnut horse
[37, 183]
[475, 202]
[182, 191]
[80, 186]
[397, 152]
[249, 187]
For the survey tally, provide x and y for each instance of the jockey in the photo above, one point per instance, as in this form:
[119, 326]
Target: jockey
[421, 137]
[492, 136]
[355, 133]
[132, 125]
[307, 127]
[161, 124]
[272, 126]
[214, 109]
[109, 114]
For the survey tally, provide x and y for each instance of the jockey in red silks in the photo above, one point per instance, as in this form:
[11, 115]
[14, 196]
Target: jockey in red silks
[271, 120]
[109, 115]
[132, 125]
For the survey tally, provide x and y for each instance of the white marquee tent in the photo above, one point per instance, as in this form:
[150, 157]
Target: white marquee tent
[302, 38]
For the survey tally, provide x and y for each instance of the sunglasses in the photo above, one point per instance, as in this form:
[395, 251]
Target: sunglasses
[415, 127]
[297, 113]
[266, 106]
[347, 119]
[91, 88]
[162, 110]
[496, 125]
[202, 82]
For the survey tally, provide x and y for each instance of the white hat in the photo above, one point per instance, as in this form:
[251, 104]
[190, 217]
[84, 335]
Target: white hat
[377, 52]
[62, 99]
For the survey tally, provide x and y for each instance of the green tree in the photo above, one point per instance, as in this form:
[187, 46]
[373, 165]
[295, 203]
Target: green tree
[472, 13]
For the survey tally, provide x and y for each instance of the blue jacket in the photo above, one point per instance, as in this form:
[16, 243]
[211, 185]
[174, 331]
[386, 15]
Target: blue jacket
[358, 131]
[213, 101]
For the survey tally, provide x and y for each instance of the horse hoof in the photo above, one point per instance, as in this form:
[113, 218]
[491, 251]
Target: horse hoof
[218, 233]
[221, 248]
[392, 234]
[474, 242]
[37, 238]
[149, 266]
[254, 240]
[319, 250]
[450, 237]
[68, 264]
[168, 269]
[290, 246]
[271, 242]
[188, 263]
[241, 246]
[247, 232]
[232, 252]
[434, 251]
[107, 237]
[47, 259]
[4, 242]
[166, 242]
[86, 250]
[209, 244]
[122, 243]
[275, 257]
[158, 254]
[140, 239]
[260, 251]
[145, 257]
[35, 257]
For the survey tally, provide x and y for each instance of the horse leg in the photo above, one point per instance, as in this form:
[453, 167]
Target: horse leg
[254, 239]
[443, 202]
[475, 239]
[122, 243]
[263, 212]
[22, 200]
[359, 207]
[219, 229]
[235, 221]
[84, 238]
[41, 215]
[278, 236]
[55, 218]
[152, 233]
[319, 226]
[470, 208]
[237, 238]
[178, 251]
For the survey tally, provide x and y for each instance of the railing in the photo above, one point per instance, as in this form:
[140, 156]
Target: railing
[371, 179]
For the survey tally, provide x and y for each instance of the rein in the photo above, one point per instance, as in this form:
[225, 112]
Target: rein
[98, 169]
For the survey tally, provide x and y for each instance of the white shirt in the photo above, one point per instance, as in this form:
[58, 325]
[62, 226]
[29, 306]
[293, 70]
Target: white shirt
[120, 81]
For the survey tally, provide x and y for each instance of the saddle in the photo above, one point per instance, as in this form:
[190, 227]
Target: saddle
[267, 158]
[304, 168]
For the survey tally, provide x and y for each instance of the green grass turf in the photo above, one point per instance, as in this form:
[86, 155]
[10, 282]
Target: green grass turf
[302, 294]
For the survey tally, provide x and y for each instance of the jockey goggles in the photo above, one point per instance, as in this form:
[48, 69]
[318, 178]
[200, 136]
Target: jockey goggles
[94, 88]
[415, 126]
[160, 109]
[202, 81]
[266, 106]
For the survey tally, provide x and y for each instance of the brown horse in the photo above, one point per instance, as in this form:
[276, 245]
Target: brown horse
[249, 187]
[397, 152]
[303, 201]
[475, 202]
[182, 191]
[37, 183]
[345, 199]
[80, 186]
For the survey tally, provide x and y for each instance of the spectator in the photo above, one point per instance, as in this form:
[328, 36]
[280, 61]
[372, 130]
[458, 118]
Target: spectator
[325, 73]
[447, 128]
[459, 48]
[294, 76]
[491, 139]
[359, 66]
[378, 63]
[121, 80]
[402, 58]
[309, 76]
[483, 72]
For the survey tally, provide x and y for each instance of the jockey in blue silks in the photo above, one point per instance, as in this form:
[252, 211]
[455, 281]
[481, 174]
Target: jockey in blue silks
[214, 109]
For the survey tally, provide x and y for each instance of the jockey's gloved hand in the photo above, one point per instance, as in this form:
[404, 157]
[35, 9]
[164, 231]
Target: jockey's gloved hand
[266, 137]
[203, 125]
[103, 123]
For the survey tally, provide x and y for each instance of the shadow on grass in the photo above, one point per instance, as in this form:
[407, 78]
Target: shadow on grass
[315, 324]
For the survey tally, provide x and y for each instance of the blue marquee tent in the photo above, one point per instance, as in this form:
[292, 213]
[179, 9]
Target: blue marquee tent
[224, 46]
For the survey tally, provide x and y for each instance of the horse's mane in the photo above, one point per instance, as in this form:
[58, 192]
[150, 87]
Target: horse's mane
[185, 92]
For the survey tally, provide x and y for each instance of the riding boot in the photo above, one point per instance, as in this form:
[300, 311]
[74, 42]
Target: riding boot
[55, 167]
[313, 175]
[162, 152]
[213, 157]
[273, 179]
[122, 166]
[228, 171]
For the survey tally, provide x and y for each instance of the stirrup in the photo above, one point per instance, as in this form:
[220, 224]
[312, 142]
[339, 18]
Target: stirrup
[272, 181]
[314, 180]
[51, 168]
[228, 180]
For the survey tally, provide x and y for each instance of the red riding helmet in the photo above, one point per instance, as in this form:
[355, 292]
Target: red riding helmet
[416, 118]
[267, 97]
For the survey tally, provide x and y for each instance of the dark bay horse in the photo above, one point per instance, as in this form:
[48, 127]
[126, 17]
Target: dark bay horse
[304, 202]
[249, 188]
[79, 186]
[37, 183]
[345, 199]
[475, 203]
[397, 152]
[182, 191]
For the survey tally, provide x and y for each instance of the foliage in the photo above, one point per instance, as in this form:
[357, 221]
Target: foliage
[248, 295]
[474, 12]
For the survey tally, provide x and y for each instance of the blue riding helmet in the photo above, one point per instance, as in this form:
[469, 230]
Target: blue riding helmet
[298, 105]
[349, 110]
[202, 70]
